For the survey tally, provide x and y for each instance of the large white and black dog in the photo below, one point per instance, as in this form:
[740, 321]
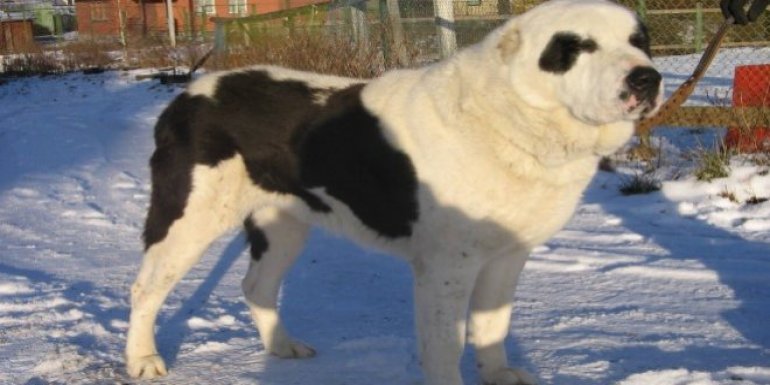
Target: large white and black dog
[460, 167]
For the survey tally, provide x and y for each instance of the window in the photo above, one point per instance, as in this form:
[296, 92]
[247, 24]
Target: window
[206, 6]
[99, 11]
[237, 7]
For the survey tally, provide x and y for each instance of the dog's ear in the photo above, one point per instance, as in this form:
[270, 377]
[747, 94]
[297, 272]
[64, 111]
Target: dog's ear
[509, 43]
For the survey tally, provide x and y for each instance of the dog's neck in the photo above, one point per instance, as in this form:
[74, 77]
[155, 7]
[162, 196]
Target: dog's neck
[447, 99]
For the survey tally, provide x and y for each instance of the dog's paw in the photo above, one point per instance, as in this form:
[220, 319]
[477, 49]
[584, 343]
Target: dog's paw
[292, 349]
[509, 376]
[146, 367]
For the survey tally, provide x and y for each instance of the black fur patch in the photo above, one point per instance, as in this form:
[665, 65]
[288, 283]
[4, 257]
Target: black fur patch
[562, 52]
[290, 143]
[641, 39]
[345, 152]
[171, 166]
[256, 238]
[261, 116]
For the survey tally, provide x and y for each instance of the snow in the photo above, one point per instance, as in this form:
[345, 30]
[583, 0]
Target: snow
[667, 288]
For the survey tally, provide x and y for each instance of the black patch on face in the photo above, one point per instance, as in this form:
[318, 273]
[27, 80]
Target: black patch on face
[562, 52]
[345, 152]
[256, 238]
[641, 39]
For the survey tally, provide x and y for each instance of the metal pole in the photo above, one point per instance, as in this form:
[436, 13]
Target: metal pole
[359, 22]
[171, 29]
[397, 29]
[698, 27]
[445, 24]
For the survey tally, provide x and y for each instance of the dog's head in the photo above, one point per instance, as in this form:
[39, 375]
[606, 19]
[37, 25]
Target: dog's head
[589, 56]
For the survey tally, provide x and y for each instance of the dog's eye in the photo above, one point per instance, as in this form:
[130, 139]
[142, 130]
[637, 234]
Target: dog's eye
[641, 39]
[563, 50]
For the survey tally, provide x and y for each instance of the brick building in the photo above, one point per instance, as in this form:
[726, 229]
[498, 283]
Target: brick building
[148, 17]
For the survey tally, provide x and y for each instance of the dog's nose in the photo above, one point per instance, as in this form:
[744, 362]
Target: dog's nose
[644, 81]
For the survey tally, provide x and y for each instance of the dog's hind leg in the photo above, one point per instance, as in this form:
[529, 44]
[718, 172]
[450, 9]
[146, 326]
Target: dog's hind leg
[490, 319]
[209, 211]
[276, 240]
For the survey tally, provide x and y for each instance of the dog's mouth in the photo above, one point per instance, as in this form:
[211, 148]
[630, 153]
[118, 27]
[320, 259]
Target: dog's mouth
[637, 105]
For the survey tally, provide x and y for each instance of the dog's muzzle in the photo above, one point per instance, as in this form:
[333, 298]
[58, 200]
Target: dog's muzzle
[643, 88]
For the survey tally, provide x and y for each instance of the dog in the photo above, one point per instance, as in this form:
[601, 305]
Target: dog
[461, 167]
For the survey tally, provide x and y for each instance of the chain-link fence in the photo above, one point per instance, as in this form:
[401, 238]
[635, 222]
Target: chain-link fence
[735, 91]
[410, 32]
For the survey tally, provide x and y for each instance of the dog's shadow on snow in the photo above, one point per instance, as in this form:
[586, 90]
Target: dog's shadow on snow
[740, 264]
[82, 297]
[173, 331]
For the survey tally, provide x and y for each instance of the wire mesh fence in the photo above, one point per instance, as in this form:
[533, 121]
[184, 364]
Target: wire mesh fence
[735, 90]
[392, 33]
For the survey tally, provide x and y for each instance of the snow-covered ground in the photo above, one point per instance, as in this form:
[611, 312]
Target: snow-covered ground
[669, 288]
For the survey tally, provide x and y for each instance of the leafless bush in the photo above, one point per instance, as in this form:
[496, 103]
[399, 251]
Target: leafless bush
[307, 50]
[88, 53]
[32, 61]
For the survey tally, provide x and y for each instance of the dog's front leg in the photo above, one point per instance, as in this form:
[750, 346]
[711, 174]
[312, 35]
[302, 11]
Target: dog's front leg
[490, 319]
[442, 295]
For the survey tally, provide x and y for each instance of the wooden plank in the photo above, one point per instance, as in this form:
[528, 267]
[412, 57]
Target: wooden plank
[681, 11]
[719, 117]
[307, 9]
[664, 47]
[457, 18]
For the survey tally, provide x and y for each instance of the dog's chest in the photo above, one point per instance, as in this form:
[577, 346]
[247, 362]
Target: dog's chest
[492, 206]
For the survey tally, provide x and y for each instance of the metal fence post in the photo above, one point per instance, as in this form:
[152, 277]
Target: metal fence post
[122, 26]
[359, 22]
[383, 8]
[445, 24]
[641, 9]
[204, 27]
[698, 27]
[397, 31]
[220, 37]
[171, 24]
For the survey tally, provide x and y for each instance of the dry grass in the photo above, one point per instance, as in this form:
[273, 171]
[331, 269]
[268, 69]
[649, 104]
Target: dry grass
[316, 50]
[304, 50]
[88, 53]
[32, 60]
[713, 163]
[729, 195]
[640, 184]
[37, 59]
[155, 52]
[754, 200]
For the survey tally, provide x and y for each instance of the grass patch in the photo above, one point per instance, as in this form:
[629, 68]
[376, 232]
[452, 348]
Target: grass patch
[756, 200]
[713, 164]
[639, 184]
[729, 195]
[320, 50]
[32, 61]
[307, 50]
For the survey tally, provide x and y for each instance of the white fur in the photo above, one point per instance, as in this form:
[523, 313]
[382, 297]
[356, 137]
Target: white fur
[206, 86]
[502, 152]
